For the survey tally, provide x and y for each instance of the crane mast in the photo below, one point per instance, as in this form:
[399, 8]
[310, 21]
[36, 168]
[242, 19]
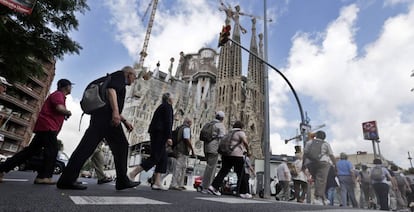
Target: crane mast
[143, 52]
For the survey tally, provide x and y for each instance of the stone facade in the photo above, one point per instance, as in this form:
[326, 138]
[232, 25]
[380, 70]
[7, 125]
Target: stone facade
[205, 82]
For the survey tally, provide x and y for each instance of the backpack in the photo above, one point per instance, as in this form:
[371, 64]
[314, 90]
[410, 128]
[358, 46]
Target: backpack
[207, 132]
[377, 174]
[365, 177]
[314, 152]
[225, 147]
[177, 135]
[400, 179]
[94, 97]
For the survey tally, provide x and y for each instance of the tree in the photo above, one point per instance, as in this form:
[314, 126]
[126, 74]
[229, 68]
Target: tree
[28, 41]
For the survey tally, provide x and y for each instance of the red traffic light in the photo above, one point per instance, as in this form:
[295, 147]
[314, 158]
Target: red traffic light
[224, 35]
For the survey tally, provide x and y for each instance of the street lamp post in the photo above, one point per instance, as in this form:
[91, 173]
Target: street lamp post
[303, 125]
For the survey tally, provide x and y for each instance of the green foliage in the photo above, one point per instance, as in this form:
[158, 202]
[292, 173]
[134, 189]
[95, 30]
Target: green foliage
[27, 41]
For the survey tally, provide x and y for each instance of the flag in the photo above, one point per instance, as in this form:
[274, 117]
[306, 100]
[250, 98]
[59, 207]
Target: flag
[23, 6]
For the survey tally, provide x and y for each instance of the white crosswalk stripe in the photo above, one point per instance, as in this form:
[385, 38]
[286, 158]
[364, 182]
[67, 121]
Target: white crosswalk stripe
[232, 200]
[114, 200]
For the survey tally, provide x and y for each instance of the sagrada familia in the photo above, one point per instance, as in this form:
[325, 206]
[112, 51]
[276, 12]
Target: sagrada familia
[206, 82]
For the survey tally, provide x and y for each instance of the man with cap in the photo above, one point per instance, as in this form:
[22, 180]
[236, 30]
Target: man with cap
[210, 151]
[3, 85]
[48, 125]
[284, 176]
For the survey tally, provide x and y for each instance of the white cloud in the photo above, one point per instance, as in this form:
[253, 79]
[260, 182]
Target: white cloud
[70, 133]
[352, 89]
[184, 26]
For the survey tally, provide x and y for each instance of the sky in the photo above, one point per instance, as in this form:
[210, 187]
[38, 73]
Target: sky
[349, 61]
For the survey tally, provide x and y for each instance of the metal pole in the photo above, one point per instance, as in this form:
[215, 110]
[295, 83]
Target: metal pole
[266, 130]
[374, 148]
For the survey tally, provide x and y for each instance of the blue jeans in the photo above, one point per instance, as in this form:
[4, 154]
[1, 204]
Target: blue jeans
[330, 193]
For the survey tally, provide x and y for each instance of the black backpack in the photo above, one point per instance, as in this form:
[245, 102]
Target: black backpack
[225, 147]
[177, 135]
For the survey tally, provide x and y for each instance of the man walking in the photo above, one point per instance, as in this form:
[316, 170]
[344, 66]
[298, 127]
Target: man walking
[284, 176]
[47, 127]
[105, 124]
[318, 157]
[210, 151]
[347, 179]
[182, 151]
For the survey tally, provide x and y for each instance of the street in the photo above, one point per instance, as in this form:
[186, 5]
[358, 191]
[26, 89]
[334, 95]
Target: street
[18, 193]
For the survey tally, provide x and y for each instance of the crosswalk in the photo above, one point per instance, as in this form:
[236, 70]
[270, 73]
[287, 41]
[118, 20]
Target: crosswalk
[116, 200]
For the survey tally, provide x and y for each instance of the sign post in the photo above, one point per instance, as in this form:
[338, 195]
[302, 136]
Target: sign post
[370, 131]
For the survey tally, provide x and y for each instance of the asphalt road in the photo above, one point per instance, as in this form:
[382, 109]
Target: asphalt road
[18, 193]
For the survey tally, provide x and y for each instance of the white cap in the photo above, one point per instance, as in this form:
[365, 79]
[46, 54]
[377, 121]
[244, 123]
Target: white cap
[3, 81]
[220, 114]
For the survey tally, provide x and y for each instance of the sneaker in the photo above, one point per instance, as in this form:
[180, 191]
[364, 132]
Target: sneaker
[317, 201]
[44, 181]
[204, 191]
[246, 196]
[176, 188]
[183, 188]
[158, 187]
[1, 176]
[104, 180]
[214, 191]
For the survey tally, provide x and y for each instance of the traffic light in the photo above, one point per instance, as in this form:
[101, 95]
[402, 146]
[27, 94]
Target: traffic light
[224, 35]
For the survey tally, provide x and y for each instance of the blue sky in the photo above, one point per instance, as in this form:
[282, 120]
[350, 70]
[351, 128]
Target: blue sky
[350, 61]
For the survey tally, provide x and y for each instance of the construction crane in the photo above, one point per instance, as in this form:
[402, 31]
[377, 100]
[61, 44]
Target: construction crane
[143, 52]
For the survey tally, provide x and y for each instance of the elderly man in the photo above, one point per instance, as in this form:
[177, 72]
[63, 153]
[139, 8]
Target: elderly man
[105, 124]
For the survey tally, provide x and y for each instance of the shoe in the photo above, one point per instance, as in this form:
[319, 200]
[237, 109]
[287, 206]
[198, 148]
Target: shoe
[317, 201]
[1, 176]
[246, 196]
[71, 186]
[183, 188]
[176, 188]
[129, 184]
[204, 191]
[157, 187]
[214, 191]
[104, 180]
[44, 181]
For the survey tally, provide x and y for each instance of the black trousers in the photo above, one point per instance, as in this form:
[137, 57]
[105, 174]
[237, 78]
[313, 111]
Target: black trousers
[45, 140]
[227, 163]
[158, 156]
[100, 128]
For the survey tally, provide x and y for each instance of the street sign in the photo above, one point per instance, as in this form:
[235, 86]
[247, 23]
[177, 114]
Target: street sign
[370, 130]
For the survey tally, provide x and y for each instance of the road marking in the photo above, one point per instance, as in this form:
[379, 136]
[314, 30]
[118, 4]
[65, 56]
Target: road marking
[232, 200]
[99, 200]
[15, 180]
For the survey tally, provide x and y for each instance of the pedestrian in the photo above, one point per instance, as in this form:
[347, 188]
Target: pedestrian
[331, 185]
[367, 192]
[97, 160]
[182, 151]
[3, 85]
[318, 157]
[347, 179]
[248, 171]
[105, 123]
[48, 125]
[160, 131]
[210, 151]
[234, 160]
[379, 183]
[284, 176]
[300, 181]
[402, 185]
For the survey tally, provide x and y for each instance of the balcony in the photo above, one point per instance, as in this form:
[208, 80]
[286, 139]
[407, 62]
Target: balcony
[14, 118]
[32, 93]
[25, 106]
[12, 135]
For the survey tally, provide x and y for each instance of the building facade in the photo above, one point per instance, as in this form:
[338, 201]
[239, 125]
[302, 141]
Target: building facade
[19, 108]
[204, 82]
